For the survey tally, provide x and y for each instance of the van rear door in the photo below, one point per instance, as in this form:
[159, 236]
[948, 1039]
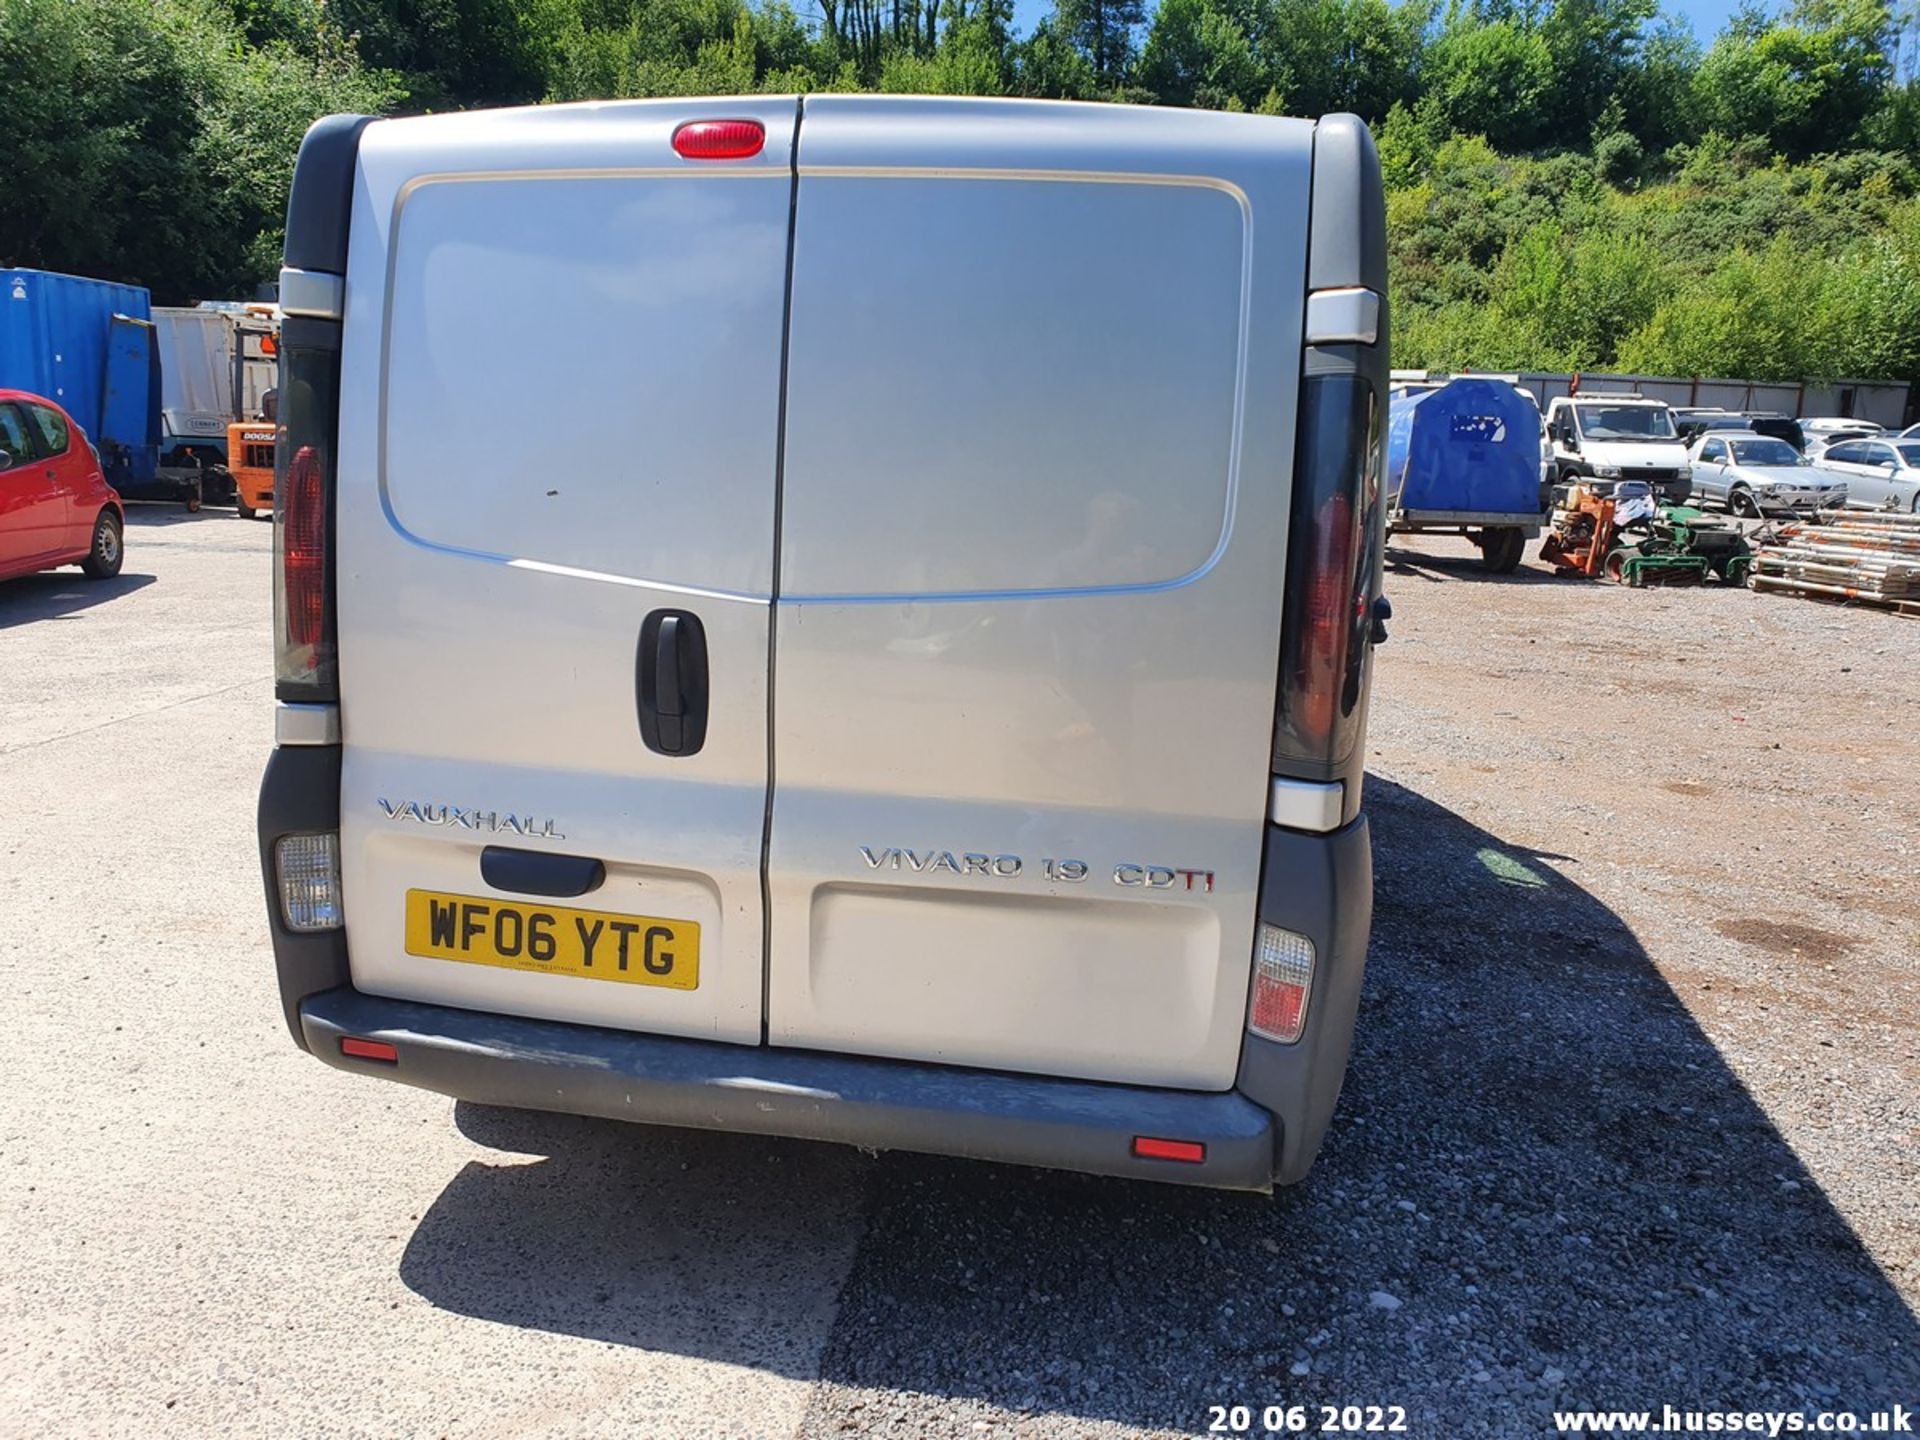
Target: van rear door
[1043, 371]
[558, 430]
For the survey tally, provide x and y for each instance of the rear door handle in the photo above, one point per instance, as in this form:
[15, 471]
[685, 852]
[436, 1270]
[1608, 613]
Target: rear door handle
[670, 675]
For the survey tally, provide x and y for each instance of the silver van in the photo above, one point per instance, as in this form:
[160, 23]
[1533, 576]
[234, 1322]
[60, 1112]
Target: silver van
[845, 617]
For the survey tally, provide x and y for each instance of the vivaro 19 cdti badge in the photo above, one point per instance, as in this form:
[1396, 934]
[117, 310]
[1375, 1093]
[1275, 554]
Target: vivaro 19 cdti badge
[845, 617]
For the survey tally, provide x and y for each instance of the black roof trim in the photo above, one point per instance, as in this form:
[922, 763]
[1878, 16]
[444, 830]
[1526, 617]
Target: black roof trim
[320, 204]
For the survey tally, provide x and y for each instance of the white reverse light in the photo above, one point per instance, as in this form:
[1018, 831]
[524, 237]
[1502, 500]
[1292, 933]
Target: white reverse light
[308, 867]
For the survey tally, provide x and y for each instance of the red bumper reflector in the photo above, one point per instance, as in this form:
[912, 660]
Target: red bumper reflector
[1146, 1147]
[367, 1049]
[719, 139]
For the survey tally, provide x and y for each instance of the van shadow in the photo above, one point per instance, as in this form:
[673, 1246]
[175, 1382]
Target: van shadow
[1544, 1189]
[720, 1246]
[56, 594]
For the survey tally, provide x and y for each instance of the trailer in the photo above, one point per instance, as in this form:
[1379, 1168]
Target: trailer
[89, 344]
[1464, 459]
[218, 360]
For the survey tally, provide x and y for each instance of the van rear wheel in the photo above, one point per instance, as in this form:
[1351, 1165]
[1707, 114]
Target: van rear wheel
[108, 552]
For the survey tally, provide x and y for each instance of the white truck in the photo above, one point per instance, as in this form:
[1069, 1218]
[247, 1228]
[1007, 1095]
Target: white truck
[1600, 439]
[845, 617]
[217, 364]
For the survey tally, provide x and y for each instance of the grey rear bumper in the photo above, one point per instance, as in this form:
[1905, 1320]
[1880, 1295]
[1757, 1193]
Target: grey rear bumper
[882, 1104]
[1265, 1131]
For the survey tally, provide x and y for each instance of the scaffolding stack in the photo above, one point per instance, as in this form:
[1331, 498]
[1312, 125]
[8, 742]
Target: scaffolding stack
[1873, 557]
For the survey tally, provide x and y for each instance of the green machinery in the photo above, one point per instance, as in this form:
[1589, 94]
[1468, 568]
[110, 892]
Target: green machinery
[1679, 542]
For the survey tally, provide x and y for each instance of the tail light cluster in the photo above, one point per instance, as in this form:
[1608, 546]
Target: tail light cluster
[305, 667]
[1332, 560]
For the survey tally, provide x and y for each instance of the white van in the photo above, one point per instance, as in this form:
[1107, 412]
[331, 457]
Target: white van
[1601, 439]
[846, 618]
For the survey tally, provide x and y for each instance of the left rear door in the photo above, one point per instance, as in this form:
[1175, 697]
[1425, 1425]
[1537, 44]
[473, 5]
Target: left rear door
[560, 380]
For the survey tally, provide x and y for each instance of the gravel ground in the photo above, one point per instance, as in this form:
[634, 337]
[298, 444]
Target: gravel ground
[1632, 1117]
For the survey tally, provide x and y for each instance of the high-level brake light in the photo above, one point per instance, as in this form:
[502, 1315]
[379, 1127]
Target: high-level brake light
[719, 139]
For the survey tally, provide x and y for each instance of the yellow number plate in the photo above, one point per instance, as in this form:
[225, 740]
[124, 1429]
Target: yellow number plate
[636, 949]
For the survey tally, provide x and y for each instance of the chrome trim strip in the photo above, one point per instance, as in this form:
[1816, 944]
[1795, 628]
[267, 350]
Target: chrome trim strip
[1306, 804]
[312, 293]
[1349, 316]
[295, 724]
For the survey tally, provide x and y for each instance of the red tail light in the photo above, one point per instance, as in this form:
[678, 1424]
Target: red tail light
[1329, 601]
[1331, 563]
[304, 548]
[719, 139]
[304, 665]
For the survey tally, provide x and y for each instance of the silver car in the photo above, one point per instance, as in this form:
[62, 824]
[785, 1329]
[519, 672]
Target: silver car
[1757, 474]
[1881, 474]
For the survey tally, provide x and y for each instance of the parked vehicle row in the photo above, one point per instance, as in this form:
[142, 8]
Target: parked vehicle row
[173, 399]
[1751, 462]
[1754, 474]
[1880, 474]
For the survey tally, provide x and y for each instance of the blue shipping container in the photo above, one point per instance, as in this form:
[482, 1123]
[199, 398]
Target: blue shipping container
[1472, 447]
[89, 345]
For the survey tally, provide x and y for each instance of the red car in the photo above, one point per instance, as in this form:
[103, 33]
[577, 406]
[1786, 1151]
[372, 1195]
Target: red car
[56, 508]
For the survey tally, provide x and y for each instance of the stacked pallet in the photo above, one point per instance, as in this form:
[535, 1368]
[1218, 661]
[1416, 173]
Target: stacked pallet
[1869, 556]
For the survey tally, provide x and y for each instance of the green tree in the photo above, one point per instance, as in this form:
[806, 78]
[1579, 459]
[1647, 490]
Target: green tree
[1328, 56]
[1103, 31]
[150, 143]
[1595, 46]
[1808, 82]
[1491, 78]
[1196, 54]
[1047, 65]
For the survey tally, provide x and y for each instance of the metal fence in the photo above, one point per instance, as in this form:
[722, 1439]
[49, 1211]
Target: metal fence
[1883, 401]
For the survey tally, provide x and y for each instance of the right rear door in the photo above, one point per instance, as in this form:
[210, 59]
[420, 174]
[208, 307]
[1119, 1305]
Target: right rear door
[1042, 376]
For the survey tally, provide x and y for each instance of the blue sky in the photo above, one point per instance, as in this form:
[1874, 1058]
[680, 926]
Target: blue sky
[1707, 15]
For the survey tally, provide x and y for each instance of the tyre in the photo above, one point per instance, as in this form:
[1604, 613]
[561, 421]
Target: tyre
[108, 551]
[193, 504]
[1616, 566]
[1501, 549]
[1740, 502]
[246, 511]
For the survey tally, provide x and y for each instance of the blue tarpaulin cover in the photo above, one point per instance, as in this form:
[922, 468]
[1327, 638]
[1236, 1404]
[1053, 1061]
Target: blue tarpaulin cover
[1471, 445]
[86, 344]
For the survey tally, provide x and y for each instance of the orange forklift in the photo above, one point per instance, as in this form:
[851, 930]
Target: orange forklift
[250, 462]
